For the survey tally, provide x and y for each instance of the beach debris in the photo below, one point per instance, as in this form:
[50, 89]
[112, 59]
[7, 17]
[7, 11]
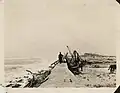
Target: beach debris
[74, 62]
[37, 78]
[32, 79]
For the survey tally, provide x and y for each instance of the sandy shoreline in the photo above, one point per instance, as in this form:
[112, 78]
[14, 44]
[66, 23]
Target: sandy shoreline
[95, 75]
[13, 71]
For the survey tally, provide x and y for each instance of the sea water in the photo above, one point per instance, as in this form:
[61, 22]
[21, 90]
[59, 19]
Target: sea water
[16, 67]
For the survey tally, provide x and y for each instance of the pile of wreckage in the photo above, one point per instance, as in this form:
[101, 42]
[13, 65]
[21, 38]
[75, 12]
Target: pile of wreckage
[74, 61]
[31, 80]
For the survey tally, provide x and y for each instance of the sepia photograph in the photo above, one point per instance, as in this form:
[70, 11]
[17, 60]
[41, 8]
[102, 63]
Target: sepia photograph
[60, 44]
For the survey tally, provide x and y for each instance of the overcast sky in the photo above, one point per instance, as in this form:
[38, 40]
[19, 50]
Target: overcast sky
[44, 27]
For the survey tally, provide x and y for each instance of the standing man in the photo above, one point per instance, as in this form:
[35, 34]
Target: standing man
[60, 56]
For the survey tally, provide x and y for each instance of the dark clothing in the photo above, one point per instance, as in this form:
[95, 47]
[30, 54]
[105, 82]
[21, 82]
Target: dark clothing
[60, 56]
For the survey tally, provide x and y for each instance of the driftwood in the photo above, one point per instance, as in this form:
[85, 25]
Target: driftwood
[40, 77]
[37, 78]
[32, 79]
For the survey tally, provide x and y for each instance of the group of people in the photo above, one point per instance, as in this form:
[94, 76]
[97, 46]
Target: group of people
[74, 56]
[75, 59]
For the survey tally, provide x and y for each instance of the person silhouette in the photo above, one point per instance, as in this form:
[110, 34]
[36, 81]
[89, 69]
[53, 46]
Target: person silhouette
[60, 56]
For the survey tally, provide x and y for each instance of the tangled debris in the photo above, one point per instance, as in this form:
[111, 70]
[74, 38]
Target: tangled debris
[32, 79]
